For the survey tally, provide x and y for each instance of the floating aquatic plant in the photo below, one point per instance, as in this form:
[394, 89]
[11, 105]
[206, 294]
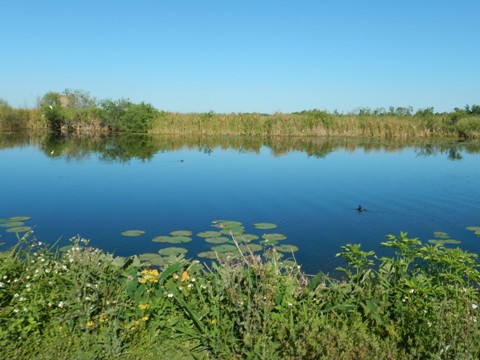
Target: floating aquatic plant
[208, 234]
[19, 229]
[153, 259]
[175, 251]
[19, 218]
[225, 248]
[172, 239]
[440, 234]
[444, 241]
[217, 240]
[264, 226]
[226, 224]
[475, 229]
[286, 248]
[12, 224]
[181, 233]
[276, 237]
[133, 233]
[246, 238]
[236, 230]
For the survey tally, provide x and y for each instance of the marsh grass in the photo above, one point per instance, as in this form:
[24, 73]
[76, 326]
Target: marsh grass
[421, 302]
[312, 123]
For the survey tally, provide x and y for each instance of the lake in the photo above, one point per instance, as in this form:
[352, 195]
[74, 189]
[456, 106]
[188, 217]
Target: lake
[310, 187]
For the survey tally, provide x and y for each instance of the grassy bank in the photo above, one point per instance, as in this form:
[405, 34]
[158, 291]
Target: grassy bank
[76, 112]
[421, 302]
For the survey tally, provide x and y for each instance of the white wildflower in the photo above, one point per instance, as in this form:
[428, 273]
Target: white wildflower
[170, 295]
[61, 304]
[474, 306]
[412, 291]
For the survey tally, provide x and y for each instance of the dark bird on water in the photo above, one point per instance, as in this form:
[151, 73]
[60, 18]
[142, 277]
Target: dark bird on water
[361, 209]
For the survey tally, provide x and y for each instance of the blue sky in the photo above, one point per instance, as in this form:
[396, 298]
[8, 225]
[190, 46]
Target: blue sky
[244, 56]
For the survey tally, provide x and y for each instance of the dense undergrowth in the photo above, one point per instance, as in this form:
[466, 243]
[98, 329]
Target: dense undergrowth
[421, 302]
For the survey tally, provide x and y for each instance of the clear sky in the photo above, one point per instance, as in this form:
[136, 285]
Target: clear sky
[244, 55]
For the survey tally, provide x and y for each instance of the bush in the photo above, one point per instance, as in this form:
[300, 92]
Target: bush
[423, 302]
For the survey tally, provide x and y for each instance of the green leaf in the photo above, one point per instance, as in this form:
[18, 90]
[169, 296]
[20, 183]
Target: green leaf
[18, 218]
[19, 229]
[217, 240]
[133, 233]
[286, 248]
[172, 239]
[245, 238]
[276, 237]
[208, 234]
[440, 234]
[172, 251]
[225, 248]
[12, 224]
[181, 233]
[264, 226]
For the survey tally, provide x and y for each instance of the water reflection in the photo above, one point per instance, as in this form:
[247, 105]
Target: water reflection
[123, 148]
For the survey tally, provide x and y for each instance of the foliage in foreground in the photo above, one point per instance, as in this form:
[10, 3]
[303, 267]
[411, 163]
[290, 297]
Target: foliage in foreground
[422, 302]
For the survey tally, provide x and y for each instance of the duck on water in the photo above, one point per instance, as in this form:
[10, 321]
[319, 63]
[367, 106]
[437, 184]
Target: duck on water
[360, 209]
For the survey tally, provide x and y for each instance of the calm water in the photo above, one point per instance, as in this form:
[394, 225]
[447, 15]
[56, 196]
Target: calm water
[309, 187]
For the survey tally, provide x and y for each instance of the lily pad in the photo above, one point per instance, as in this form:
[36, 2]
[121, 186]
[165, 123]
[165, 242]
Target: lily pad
[162, 239]
[208, 234]
[153, 259]
[237, 230]
[19, 229]
[132, 233]
[19, 218]
[226, 224]
[172, 251]
[251, 247]
[286, 248]
[264, 226]
[272, 254]
[208, 254]
[225, 248]
[444, 241]
[217, 240]
[268, 242]
[172, 239]
[276, 237]
[440, 234]
[181, 233]
[246, 238]
[473, 228]
[12, 224]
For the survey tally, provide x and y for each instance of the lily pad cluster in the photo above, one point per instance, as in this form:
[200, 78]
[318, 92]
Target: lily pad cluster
[475, 229]
[442, 238]
[229, 239]
[232, 240]
[16, 224]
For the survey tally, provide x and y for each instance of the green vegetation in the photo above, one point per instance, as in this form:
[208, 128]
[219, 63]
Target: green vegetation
[420, 302]
[74, 111]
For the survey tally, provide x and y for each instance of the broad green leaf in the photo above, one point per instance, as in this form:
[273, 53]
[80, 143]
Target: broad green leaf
[181, 233]
[133, 233]
[172, 251]
[264, 226]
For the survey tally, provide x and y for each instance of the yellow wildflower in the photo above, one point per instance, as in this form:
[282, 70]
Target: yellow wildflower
[143, 306]
[185, 276]
[90, 323]
[148, 276]
[145, 318]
